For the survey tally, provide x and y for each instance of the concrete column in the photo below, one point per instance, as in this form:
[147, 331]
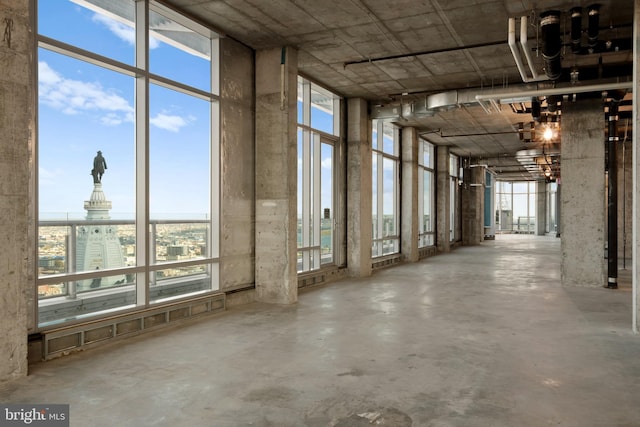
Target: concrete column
[583, 198]
[541, 208]
[443, 198]
[472, 207]
[237, 149]
[359, 187]
[409, 196]
[17, 107]
[276, 175]
[636, 169]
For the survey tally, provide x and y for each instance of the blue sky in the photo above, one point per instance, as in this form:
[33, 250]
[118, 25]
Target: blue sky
[85, 108]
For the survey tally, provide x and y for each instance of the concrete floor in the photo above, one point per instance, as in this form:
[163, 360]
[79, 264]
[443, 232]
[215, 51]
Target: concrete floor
[483, 336]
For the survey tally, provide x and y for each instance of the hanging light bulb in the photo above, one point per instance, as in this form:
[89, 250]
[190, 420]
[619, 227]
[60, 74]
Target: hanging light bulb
[548, 134]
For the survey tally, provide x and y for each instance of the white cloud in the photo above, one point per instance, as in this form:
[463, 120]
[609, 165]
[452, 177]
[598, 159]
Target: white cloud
[327, 163]
[169, 122]
[76, 96]
[122, 31]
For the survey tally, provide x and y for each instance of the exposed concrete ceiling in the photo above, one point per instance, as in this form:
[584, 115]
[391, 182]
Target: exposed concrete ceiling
[398, 54]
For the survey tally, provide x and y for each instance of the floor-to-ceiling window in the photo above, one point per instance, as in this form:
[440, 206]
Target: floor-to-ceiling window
[127, 157]
[385, 195]
[516, 207]
[426, 194]
[318, 132]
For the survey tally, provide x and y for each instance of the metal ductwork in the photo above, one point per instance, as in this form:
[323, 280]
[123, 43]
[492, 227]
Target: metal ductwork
[551, 43]
[594, 23]
[576, 29]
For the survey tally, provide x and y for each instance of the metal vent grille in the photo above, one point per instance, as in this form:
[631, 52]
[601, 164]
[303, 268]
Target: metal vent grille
[62, 341]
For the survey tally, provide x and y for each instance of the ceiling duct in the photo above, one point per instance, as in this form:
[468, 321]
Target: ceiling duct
[551, 43]
[594, 23]
[443, 101]
[576, 29]
[515, 51]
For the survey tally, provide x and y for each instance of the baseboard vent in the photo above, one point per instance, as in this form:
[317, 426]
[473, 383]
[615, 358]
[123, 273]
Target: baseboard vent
[65, 340]
[322, 276]
[385, 262]
[427, 252]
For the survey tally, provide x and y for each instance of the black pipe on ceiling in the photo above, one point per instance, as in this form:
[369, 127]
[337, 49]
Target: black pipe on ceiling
[536, 109]
[594, 21]
[551, 43]
[576, 29]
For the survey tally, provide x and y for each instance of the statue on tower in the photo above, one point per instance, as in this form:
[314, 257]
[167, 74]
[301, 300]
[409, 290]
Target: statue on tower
[99, 166]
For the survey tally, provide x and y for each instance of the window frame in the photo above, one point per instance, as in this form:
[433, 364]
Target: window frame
[145, 268]
[381, 241]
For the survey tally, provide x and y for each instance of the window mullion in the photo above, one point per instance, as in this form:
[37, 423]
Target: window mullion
[143, 236]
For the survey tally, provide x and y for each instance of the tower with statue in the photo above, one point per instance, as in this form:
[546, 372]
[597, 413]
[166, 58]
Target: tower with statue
[98, 244]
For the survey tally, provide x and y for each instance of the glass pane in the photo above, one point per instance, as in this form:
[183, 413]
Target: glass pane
[321, 110]
[180, 241]
[389, 198]
[52, 249]
[179, 165]
[521, 217]
[453, 165]
[300, 187]
[389, 140]
[177, 282]
[326, 222]
[85, 125]
[390, 246]
[299, 262]
[429, 159]
[374, 194]
[170, 44]
[75, 300]
[503, 187]
[427, 224]
[374, 134]
[300, 100]
[520, 187]
[107, 29]
[376, 249]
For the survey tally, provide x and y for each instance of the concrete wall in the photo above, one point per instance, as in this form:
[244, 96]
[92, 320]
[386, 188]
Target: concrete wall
[583, 193]
[359, 187]
[472, 207]
[237, 250]
[276, 176]
[409, 196]
[16, 142]
[443, 208]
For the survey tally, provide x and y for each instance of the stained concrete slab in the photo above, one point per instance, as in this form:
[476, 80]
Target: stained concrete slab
[481, 336]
